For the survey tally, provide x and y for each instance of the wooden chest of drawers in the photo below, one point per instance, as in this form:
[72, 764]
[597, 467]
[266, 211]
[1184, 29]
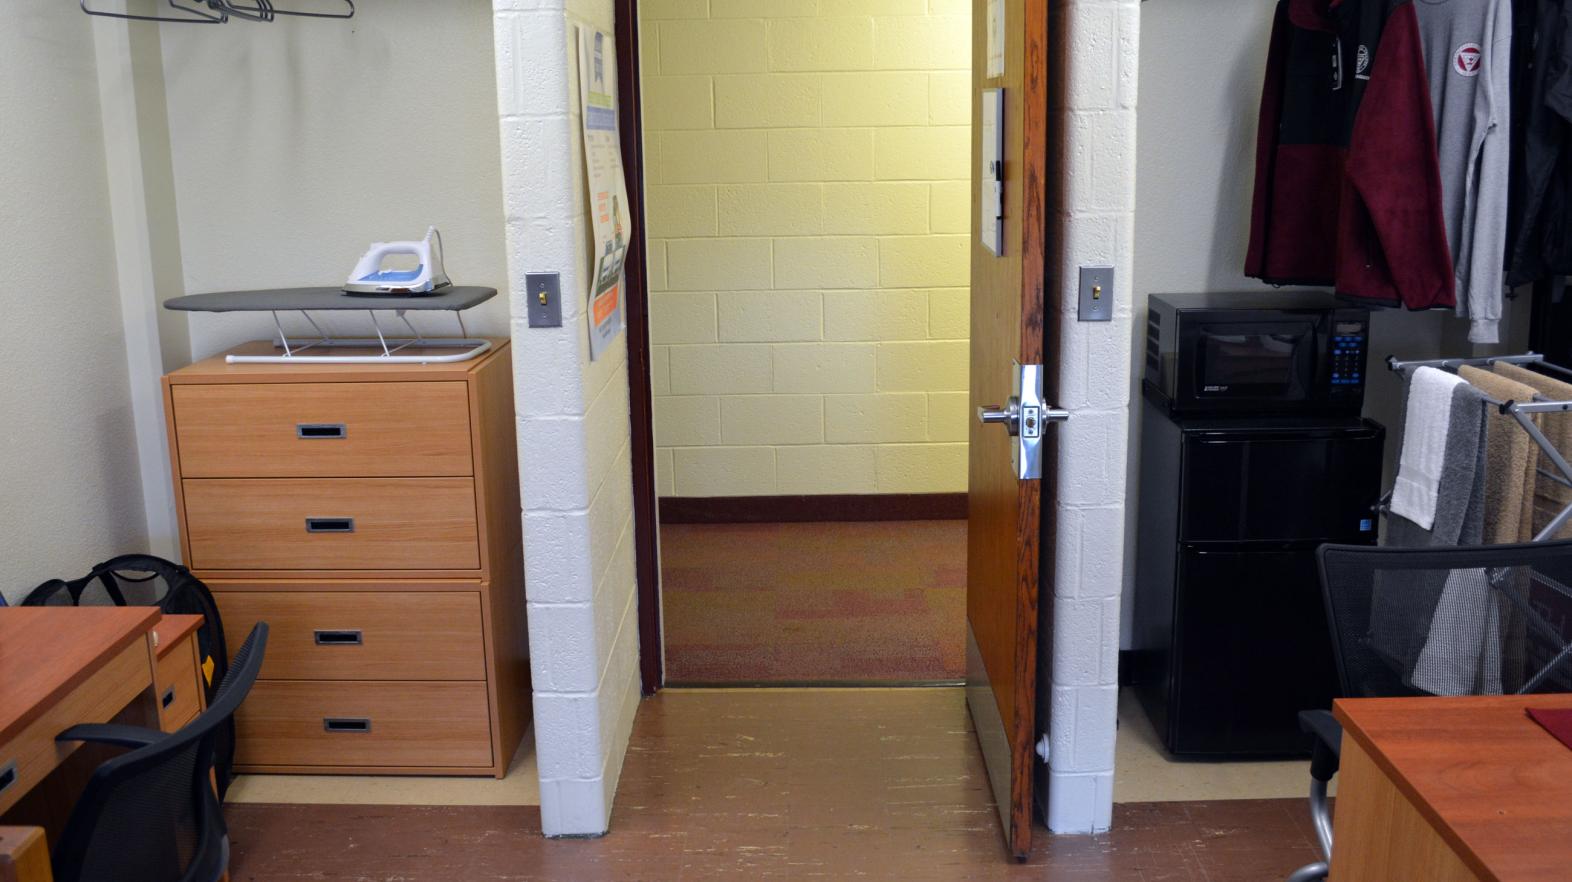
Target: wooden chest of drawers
[369, 514]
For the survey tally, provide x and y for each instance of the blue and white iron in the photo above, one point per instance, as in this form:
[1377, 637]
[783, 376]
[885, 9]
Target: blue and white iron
[370, 278]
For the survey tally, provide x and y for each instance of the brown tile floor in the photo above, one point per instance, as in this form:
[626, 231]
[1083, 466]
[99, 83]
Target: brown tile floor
[865, 602]
[789, 784]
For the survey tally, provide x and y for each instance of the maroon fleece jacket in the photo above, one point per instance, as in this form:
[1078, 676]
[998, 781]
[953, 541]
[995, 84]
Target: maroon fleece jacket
[1348, 185]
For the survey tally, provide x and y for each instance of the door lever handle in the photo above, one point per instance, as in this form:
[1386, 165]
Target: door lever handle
[993, 413]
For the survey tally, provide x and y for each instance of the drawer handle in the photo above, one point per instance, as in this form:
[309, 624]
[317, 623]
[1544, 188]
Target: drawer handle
[7, 776]
[315, 431]
[346, 724]
[169, 697]
[330, 525]
[338, 638]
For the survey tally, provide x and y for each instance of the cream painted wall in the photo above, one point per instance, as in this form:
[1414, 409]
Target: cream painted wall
[68, 466]
[1195, 180]
[807, 182]
[297, 144]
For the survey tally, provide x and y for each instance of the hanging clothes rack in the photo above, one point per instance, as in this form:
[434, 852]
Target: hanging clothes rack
[1520, 411]
[220, 11]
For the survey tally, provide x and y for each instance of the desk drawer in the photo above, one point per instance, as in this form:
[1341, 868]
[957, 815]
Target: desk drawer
[332, 524]
[365, 724]
[329, 430]
[32, 754]
[176, 684]
[361, 635]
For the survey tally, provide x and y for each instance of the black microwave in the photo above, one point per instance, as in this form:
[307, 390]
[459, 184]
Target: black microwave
[1277, 353]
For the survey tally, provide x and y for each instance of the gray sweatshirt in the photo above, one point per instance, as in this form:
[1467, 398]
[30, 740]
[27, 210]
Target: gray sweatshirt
[1468, 52]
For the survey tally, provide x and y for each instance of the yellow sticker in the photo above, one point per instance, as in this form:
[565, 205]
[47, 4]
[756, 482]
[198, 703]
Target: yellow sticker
[207, 669]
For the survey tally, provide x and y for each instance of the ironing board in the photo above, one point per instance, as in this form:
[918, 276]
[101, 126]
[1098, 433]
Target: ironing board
[453, 299]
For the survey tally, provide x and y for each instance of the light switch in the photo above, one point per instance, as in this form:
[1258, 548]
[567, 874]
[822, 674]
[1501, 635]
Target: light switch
[1097, 294]
[544, 297]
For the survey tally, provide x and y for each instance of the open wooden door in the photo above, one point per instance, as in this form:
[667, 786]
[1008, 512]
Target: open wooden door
[1006, 342]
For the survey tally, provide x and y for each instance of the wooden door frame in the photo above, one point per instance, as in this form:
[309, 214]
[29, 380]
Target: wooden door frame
[636, 309]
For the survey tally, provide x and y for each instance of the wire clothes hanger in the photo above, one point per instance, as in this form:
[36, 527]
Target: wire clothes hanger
[220, 11]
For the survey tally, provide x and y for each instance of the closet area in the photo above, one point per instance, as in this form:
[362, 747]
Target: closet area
[1356, 333]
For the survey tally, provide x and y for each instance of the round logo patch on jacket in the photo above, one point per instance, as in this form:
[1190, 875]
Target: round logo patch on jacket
[1467, 59]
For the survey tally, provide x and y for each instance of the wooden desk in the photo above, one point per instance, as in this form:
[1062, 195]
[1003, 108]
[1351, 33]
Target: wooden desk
[60, 666]
[1451, 790]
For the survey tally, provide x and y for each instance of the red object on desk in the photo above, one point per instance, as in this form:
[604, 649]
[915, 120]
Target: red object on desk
[1557, 721]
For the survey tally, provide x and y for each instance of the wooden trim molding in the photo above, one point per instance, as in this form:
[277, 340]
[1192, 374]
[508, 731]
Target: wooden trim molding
[636, 300]
[803, 509]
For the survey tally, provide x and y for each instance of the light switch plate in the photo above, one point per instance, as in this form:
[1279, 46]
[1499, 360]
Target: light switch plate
[544, 311]
[1097, 294]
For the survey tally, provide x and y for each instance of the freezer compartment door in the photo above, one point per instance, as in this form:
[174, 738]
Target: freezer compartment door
[1280, 487]
[1251, 650]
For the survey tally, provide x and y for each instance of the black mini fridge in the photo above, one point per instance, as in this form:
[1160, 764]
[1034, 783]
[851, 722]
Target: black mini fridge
[1230, 634]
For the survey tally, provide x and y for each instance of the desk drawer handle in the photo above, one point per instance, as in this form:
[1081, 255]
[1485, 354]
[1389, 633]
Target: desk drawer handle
[346, 724]
[338, 638]
[330, 525]
[169, 697]
[317, 431]
[7, 776]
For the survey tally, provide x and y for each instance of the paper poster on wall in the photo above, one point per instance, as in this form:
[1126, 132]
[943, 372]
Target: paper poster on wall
[608, 191]
[990, 202]
[995, 38]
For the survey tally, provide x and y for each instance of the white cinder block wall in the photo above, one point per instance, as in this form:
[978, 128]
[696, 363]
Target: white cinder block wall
[1093, 126]
[808, 210]
[573, 429]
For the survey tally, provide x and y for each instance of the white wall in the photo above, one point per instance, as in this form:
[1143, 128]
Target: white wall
[1093, 122]
[68, 466]
[573, 429]
[298, 143]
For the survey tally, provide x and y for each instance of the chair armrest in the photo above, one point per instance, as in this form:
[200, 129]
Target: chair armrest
[1328, 742]
[117, 734]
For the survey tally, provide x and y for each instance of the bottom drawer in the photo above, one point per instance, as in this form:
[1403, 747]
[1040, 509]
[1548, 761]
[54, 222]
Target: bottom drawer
[349, 723]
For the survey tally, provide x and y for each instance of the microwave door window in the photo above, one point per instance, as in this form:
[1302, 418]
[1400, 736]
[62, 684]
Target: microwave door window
[1252, 364]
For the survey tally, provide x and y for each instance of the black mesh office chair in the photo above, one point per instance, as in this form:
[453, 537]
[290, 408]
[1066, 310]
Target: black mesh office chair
[1475, 620]
[151, 814]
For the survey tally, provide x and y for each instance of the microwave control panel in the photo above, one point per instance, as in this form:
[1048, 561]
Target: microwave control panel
[1348, 355]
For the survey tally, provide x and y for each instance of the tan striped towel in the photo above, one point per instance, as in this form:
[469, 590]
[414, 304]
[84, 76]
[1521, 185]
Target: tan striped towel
[1549, 496]
[1510, 460]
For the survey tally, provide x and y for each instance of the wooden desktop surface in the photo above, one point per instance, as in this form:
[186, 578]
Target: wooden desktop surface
[1493, 783]
[45, 652]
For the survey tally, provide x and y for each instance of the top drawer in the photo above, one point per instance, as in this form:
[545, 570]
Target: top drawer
[303, 430]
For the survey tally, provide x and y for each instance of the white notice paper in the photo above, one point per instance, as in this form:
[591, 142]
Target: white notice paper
[995, 38]
[608, 191]
[990, 205]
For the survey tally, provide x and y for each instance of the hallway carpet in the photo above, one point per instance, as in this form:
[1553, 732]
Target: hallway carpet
[860, 602]
[777, 784]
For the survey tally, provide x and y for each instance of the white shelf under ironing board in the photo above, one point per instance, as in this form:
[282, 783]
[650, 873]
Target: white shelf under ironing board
[385, 349]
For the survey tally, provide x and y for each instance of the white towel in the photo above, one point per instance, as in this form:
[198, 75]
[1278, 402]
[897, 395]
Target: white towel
[1424, 445]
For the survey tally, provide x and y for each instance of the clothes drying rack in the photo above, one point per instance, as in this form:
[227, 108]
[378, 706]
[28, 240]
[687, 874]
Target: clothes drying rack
[1521, 411]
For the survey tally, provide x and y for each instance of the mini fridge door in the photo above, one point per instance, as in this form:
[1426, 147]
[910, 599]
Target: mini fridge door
[1280, 484]
[1251, 649]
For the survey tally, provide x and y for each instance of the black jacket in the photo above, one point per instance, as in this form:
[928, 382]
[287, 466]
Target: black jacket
[1542, 242]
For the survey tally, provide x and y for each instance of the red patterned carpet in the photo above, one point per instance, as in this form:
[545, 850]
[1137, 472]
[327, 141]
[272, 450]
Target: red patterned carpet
[866, 602]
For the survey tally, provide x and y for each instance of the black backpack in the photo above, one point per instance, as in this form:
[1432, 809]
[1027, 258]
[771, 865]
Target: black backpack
[145, 580]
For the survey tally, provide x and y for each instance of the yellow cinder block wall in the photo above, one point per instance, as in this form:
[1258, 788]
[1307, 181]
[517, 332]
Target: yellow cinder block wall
[807, 174]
